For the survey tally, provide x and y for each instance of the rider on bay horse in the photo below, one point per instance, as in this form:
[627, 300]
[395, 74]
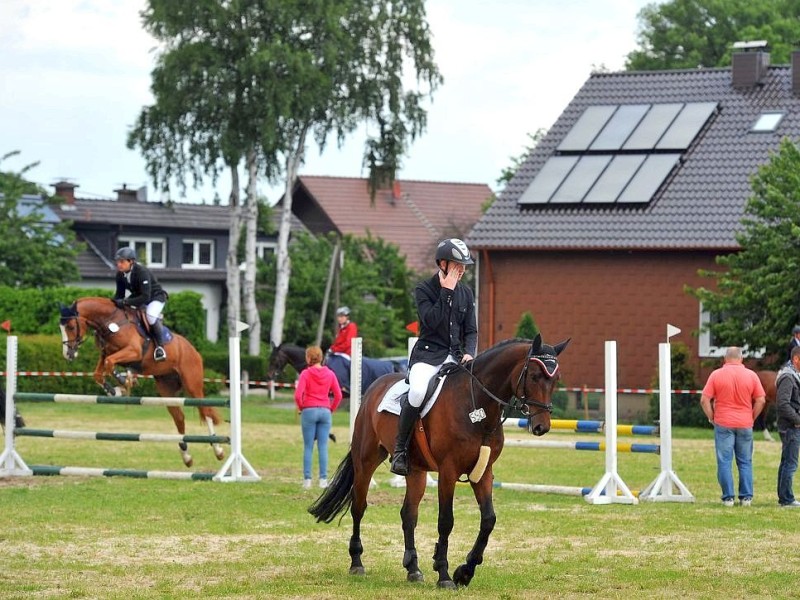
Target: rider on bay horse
[448, 332]
[145, 291]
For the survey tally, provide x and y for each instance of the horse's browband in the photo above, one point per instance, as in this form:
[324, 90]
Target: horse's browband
[543, 360]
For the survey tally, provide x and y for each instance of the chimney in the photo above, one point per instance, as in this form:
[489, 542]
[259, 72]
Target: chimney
[796, 72]
[750, 62]
[66, 191]
[396, 191]
[125, 195]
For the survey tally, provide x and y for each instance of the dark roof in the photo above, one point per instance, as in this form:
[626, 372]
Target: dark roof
[414, 216]
[699, 207]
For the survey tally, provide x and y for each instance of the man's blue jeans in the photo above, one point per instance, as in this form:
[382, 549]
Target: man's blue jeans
[790, 440]
[738, 443]
[316, 425]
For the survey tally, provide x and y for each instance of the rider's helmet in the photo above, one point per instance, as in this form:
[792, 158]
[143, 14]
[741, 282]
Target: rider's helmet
[343, 310]
[125, 253]
[795, 329]
[454, 249]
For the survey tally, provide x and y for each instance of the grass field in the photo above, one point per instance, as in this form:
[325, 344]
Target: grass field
[68, 537]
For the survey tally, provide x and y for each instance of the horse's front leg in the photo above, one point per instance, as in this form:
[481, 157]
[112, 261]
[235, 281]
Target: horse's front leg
[447, 484]
[483, 494]
[415, 490]
[100, 376]
[107, 364]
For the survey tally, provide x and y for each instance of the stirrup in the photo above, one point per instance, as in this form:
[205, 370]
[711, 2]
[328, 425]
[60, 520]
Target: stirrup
[399, 463]
[159, 354]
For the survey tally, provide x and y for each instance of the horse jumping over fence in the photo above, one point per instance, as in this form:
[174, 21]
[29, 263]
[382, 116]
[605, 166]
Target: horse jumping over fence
[122, 342]
[460, 429]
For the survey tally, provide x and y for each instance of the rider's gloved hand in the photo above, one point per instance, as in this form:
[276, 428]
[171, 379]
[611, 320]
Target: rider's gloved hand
[120, 303]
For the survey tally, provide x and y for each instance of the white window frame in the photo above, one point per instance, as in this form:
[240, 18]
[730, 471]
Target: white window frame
[131, 242]
[706, 350]
[195, 264]
[263, 249]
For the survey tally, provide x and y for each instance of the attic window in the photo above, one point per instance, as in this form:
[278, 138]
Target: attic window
[767, 122]
[618, 154]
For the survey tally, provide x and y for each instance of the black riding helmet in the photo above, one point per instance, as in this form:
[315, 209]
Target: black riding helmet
[454, 249]
[125, 253]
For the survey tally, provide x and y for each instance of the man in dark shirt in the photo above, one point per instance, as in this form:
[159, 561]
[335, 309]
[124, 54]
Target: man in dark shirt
[448, 332]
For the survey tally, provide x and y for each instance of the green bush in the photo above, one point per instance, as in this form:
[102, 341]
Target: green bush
[527, 328]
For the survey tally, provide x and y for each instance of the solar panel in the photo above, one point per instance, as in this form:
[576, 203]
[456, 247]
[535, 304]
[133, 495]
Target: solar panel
[686, 126]
[653, 126]
[619, 127]
[580, 179]
[586, 128]
[548, 179]
[648, 178]
[614, 179]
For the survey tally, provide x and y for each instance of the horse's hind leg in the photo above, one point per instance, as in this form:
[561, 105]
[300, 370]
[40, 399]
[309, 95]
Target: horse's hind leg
[415, 490]
[208, 416]
[180, 425]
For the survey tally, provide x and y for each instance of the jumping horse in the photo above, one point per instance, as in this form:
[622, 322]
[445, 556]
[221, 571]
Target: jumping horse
[121, 340]
[463, 426]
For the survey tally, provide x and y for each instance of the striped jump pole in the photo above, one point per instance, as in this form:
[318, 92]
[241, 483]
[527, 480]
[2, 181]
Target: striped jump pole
[587, 426]
[126, 400]
[92, 472]
[123, 437]
[590, 446]
[565, 490]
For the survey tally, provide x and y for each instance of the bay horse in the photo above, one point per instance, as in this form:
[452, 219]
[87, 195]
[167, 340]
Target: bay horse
[121, 341]
[767, 379]
[464, 424]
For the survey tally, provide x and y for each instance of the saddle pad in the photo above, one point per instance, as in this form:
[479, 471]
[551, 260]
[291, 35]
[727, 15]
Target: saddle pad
[391, 399]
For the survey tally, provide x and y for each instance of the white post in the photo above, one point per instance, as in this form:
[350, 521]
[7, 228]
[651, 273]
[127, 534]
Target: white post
[236, 463]
[611, 489]
[355, 380]
[11, 463]
[662, 490]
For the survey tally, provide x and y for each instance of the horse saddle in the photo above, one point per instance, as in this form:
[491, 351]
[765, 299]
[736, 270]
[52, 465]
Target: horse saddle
[398, 393]
[142, 326]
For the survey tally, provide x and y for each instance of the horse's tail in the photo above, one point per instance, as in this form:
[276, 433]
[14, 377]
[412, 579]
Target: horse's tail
[338, 496]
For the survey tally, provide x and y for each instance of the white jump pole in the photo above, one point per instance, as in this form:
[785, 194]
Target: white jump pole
[611, 489]
[11, 463]
[663, 487]
[356, 354]
[236, 468]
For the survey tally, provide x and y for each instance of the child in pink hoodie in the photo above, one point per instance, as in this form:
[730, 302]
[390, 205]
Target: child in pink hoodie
[315, 387]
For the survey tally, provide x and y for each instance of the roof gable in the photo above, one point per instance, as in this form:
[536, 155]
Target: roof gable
[702, 199]
[414, 216]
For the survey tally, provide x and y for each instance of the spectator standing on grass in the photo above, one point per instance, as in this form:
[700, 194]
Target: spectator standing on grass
[738, 398]
[317, 396]
[788, 407]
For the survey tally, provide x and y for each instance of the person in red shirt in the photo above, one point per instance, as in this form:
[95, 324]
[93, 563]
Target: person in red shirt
[347, 331]
[738, 399]
[317, 395]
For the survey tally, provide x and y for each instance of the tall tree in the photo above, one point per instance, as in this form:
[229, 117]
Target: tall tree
[686, 34]
[756, 290]
[33, 253]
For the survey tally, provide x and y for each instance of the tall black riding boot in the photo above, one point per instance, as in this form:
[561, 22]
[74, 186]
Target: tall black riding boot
[408, 416]
[158, 335]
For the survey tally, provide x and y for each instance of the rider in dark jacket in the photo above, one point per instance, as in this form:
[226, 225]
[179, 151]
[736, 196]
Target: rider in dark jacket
[447, 333]
[144, 291]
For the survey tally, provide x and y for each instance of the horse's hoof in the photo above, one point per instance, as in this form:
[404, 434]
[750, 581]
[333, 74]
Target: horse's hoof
[357, 571]
[446, 584]
[462, 576]
[219, 453]
[188, 461]
[415, 577]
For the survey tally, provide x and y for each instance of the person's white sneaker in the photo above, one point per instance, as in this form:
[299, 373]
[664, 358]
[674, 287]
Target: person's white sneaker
[323, 483]
[792, 504]
[727, 502]
[746, 501]
[306, 484]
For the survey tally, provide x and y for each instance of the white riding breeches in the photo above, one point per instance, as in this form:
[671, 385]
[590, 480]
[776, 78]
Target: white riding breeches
[153, 311]
[419, 377]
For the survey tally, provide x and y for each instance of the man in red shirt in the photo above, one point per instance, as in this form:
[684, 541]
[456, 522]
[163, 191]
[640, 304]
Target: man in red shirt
[738, 399]
[347, 331]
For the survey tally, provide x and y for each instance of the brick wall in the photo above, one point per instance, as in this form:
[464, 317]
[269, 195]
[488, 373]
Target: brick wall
[592, 297]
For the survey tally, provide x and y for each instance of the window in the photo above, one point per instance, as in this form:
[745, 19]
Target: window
[149, 250]
[198, 254]
[767, 122]
[709, 347]
[265, 249]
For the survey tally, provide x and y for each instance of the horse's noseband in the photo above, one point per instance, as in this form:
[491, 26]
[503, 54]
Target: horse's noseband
[549, 365]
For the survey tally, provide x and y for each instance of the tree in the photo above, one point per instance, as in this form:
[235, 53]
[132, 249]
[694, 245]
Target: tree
[686, 34]
[757, 293]
[517, 161]
[375, 284]
[527, 328]
[33, 253]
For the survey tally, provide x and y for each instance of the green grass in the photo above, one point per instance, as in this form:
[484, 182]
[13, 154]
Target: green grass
[68, 537]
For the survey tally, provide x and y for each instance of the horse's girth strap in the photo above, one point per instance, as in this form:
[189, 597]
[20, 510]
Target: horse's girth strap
[422, 444]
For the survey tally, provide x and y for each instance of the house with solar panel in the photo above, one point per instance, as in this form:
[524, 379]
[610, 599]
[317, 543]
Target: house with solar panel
[641, 182]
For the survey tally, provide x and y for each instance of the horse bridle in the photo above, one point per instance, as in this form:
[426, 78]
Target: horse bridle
[74, 344]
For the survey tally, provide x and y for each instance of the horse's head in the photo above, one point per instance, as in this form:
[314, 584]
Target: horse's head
[277, 361]
[538, 380]
[73, 330]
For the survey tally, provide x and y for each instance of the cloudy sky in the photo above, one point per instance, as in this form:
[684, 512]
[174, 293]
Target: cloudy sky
[76, 73]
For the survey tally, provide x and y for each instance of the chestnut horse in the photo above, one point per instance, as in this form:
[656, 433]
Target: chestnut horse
[120, 338]
[467, 416]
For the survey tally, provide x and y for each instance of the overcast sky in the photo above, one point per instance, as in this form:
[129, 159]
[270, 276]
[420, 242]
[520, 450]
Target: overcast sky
[74, 74]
